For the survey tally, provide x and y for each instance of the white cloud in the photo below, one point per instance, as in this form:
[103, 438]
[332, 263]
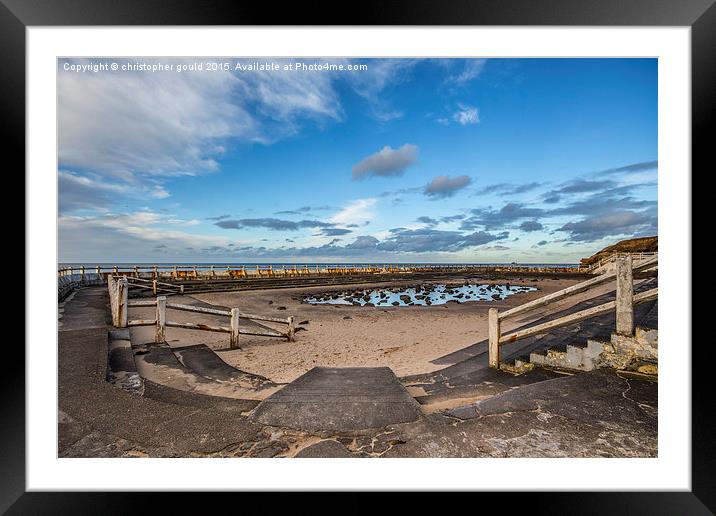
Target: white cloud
[466, 115]
[355, 212]
[472, 69]
[135, 130]
[126, 237]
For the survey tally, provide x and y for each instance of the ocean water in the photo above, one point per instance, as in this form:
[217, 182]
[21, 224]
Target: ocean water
[420, 296]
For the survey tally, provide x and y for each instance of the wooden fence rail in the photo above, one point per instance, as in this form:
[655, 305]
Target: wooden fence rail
[623, 304]
[613, 257]
[119, 304]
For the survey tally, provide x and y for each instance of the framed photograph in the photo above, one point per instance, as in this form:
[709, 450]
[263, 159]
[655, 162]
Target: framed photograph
[427, 238]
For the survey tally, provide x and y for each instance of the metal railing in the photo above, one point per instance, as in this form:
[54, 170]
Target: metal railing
[208, 271]
[624, 306]
[119, 305]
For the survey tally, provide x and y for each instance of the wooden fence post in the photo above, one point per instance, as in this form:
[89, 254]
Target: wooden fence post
[113, 304]
[493, 323]
[291, 329]
[234, 339]
[625, 295]
[122, 294]
[154, 287]
[160, 334]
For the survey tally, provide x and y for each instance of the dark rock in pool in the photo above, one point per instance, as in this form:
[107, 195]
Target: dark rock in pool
[395, 303]
[405, 298]
[356, 303]
[495, 296]
[369, 304]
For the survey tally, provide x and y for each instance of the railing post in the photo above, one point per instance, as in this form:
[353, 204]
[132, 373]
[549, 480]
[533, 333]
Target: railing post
[113, 302]
[291, 329]
[234, 338]
[122, 294]
[154, 287]
[493, 325]
[160, 334]
[625, 295]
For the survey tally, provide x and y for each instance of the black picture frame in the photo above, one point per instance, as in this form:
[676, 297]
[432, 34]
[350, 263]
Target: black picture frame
[17, 15]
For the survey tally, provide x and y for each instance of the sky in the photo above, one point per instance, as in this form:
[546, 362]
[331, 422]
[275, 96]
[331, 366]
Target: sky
[354, 160]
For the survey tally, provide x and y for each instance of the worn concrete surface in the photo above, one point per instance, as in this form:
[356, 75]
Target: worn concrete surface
[339, 399]
[475, 412]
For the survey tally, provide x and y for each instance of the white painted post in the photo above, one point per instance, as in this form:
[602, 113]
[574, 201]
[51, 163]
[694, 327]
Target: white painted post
[291, 329]
[625, 295]
[234, 339]
[493, 325]
[160, 334]
[122, 294]
[154, 287]
[113, 302]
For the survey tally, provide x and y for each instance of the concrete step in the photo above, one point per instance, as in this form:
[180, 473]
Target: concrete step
[206, 362]
[339, 399]
[158, 364]
[183, 398]
[121, 368]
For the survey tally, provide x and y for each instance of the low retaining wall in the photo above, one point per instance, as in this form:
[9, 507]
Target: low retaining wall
[67, 284]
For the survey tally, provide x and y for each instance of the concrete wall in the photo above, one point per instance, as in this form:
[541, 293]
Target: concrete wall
[67, 284]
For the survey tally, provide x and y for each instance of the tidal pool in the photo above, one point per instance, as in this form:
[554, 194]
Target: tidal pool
[418, 296]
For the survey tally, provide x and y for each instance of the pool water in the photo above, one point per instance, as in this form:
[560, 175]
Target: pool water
[419, 296]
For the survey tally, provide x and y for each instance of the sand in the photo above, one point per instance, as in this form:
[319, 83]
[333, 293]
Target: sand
[406, 339]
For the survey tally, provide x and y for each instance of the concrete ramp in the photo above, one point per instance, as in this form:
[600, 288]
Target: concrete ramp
[339, 399]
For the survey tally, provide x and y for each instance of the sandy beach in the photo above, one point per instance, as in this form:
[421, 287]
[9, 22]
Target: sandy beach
[406, 339]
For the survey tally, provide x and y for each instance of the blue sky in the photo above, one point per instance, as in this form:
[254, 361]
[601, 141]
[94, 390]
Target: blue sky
[455, 160]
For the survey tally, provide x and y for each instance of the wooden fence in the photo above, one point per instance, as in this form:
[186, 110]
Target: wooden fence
[624, 306]
[636, 257]
[119, 303]
[154, 285]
